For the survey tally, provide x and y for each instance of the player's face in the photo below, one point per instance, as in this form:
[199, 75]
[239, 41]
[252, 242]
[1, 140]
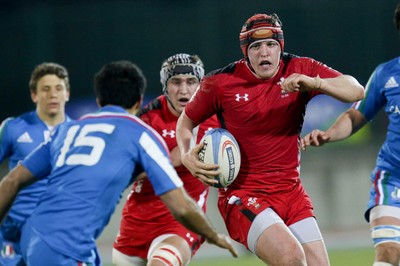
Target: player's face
[180, 89]
[264, 57]
[50, 96]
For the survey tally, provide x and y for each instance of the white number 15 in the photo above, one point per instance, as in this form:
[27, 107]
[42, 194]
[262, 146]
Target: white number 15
[97, 143]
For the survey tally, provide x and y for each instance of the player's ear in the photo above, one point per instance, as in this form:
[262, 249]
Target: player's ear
[139, 102]
[34, 96]
[135, 108]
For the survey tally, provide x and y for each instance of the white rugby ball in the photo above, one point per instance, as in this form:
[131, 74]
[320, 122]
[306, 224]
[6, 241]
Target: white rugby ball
[221, 148]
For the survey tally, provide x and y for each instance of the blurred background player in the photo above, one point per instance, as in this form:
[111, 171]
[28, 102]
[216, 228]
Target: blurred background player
[148, 231]
[49, 88]
[261, 99]
[89, 163]
[383, 210]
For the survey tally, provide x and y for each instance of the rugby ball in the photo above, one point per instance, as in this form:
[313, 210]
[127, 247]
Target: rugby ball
[221, 148]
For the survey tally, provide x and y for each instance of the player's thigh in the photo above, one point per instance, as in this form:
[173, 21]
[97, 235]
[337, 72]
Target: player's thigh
[169, 249]
[36, 252]
[271, 240]
[120, 259]
[277, 246]
[308, 234]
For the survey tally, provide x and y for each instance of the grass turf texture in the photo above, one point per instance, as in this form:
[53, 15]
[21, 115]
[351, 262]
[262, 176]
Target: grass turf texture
[349, 257]
[338, 257]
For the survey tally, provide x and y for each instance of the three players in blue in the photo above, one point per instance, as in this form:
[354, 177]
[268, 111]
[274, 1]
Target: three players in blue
[89, 163]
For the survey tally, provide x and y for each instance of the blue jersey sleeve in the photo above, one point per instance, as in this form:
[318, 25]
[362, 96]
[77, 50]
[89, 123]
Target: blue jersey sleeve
[157, 165]
[374, 98]
[38, 162]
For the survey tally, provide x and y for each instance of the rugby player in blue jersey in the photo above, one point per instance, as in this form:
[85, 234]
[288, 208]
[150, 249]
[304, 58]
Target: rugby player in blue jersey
[49, 88]
[89, 163]
[383, 210]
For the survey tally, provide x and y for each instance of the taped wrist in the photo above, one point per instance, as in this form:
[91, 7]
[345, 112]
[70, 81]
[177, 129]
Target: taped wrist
[318, 82]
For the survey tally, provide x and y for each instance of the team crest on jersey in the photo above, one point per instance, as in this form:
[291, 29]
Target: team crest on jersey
[253, 202]
[242, 97]
[170, 133]
[284, 94]
[7, 251]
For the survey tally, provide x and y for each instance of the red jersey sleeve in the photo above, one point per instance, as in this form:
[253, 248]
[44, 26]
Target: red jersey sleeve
[204, 102]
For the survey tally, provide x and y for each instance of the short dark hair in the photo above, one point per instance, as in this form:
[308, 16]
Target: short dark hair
[396, 19]
[47, 68]
[119, 83]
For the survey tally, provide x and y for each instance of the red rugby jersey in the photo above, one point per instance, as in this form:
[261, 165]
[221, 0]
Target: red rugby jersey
[266, 122]
[157, 115]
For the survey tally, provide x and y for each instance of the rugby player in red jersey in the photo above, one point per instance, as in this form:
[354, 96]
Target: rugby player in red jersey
[261, 99]
[148, 231]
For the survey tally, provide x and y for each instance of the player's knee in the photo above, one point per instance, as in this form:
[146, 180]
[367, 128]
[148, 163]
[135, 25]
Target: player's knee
[293, 260]
[166, 254]
[385, 234]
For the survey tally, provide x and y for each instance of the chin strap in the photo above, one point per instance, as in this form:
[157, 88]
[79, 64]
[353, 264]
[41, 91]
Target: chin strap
[169, 100]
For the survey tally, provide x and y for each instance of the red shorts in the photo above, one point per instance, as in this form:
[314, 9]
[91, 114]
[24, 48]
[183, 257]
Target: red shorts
[145, 219]
[137, 243]
[291, 206]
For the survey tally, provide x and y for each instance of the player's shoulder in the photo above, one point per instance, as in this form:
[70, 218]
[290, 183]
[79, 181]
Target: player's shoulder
[154, 105]
[22, 120]
[392, 65]
[228, 69]
[296, 59]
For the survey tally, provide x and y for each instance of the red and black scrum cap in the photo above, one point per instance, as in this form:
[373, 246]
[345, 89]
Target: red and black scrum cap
[258, 27]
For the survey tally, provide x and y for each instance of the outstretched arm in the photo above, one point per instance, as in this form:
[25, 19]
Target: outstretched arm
[10, 185]
[188, 213]
[348, 123]
[344, 88]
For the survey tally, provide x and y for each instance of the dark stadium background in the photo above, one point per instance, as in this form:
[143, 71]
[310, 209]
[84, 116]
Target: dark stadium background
[351, 36]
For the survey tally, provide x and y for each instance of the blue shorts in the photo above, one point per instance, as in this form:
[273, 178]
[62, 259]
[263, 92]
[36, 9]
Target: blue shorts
[36, 252]
[385, 189]
[10, 253]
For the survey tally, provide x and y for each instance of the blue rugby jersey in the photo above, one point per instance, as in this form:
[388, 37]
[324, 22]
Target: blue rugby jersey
[18, 137]
[91, 163]
[383, 90]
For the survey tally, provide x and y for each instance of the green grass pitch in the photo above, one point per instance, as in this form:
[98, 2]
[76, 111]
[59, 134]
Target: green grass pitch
[339, 257]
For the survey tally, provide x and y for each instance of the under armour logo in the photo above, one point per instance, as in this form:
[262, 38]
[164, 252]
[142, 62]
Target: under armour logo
[245, 97]
[171, 133]
[189, 236]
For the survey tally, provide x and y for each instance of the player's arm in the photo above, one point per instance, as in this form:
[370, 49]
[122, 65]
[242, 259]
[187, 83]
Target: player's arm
[348, 123]
[10, 185]
[190, 157]
[5, 140]
[344, 88]
[188, 213]
[175, 156]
